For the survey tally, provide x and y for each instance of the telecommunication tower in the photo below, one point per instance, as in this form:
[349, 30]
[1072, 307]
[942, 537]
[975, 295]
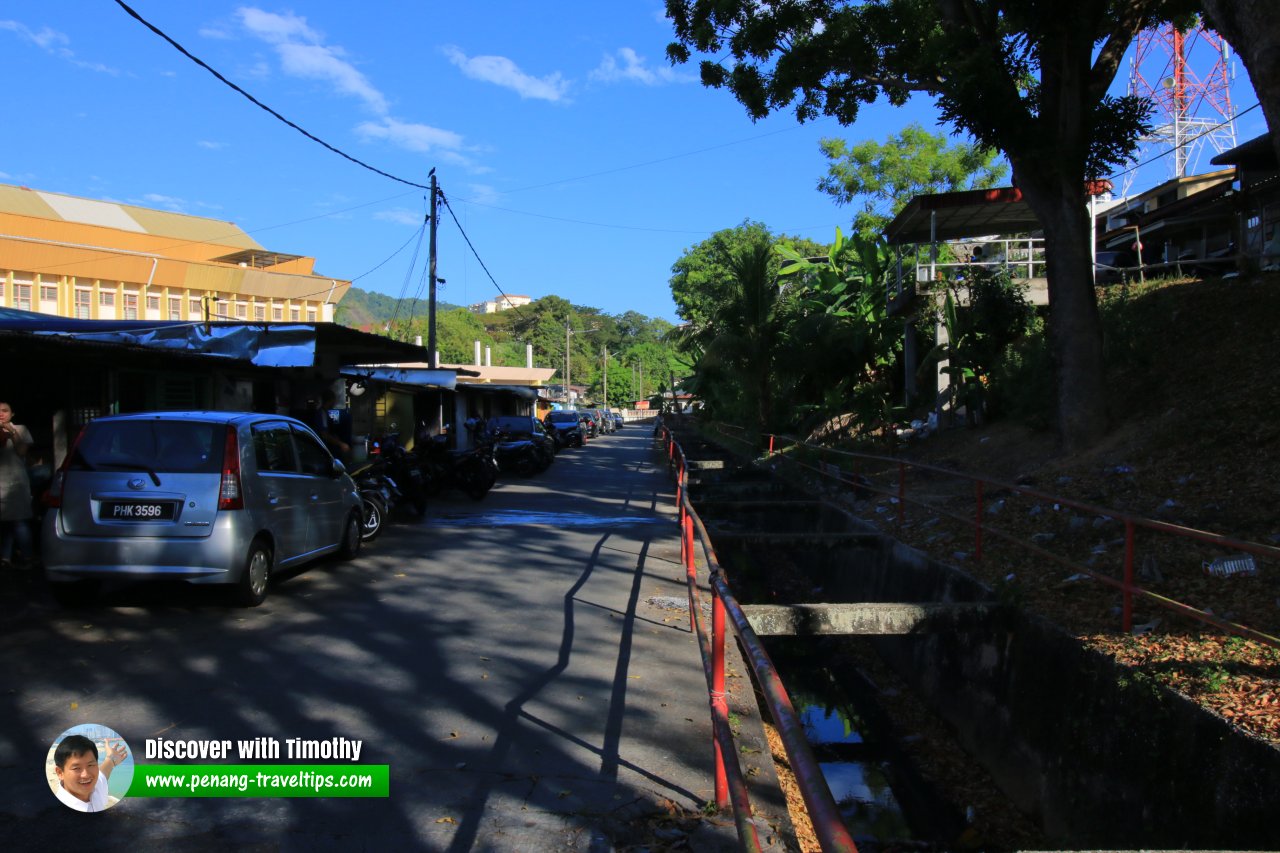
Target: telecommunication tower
[1187, 74]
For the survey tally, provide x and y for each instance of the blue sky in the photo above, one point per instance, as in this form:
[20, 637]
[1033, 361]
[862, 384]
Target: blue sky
[577, 161]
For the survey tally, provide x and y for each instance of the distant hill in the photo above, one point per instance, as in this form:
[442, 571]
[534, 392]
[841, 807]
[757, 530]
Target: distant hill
[366, 307]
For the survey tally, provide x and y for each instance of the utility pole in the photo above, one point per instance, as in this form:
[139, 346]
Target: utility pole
[431, 273]
[604, 357]
[566, 362]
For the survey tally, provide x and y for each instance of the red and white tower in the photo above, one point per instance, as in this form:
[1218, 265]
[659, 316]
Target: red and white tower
[1187, 74]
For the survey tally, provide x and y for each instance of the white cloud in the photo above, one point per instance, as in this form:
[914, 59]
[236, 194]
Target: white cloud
[627, 65]
[400, 216]
[304, 54]
[483, 194]
[411, 137]
[5, 176]
[277, 29]
[503, 72]
[54, 43]
[317, 62]
[210, 145]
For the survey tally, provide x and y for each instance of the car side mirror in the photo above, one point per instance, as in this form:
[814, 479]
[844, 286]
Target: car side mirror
[338, 468]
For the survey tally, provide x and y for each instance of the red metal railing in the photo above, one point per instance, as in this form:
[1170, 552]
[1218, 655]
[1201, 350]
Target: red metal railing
[1126, 584]
[730, 786]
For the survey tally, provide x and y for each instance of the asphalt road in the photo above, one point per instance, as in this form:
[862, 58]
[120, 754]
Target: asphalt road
[516, 662]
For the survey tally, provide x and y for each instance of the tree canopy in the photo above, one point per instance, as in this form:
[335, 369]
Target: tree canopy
[885, 176]
[1025, 77]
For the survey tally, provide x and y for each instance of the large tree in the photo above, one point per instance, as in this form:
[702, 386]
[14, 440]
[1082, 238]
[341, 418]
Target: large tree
[702, 279]
[1253, 28]
[885, 176]
[1029, 78]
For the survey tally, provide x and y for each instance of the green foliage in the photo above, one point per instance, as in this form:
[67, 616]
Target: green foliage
[885, 176]
[984, 315]
[842, 345]
[360, 308]
[1025, 78]
[1022, 381]
[701, 278]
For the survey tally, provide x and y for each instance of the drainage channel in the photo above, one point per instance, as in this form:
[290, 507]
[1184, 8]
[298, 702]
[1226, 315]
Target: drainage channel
[785, 549]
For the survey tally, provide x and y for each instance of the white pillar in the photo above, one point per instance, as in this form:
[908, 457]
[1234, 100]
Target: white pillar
[477, 353]
[488, 357]
[528, 355]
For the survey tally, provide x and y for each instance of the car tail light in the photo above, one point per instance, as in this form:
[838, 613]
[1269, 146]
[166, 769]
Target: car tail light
[230, 495]
[53, 497]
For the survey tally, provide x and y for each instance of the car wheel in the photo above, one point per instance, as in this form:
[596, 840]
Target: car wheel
[75, 594]
[351, 537]
[372, 516]
[252, 589]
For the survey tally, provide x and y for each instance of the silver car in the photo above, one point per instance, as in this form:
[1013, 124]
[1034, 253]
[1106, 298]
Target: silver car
[207, 497]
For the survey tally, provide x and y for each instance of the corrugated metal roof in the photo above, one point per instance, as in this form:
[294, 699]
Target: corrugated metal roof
[123, 217]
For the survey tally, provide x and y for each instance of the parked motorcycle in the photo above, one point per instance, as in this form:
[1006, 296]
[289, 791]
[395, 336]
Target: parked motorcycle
[379, 494]
[472, 471]
[405, 469]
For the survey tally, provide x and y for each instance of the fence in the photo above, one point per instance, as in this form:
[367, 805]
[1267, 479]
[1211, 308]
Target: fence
[891, 481]
[730, 786]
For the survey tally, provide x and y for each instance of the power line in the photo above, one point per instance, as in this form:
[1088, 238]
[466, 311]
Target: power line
[413, 262]
[655, 162]
[258, 103]
[463, 232]
[1162, 154]
[583, 222]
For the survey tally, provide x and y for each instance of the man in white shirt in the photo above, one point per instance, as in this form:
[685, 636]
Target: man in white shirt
[82, 782]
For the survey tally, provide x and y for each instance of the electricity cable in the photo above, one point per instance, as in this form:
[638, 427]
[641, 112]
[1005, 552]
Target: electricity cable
[258, 103]
[463, 232]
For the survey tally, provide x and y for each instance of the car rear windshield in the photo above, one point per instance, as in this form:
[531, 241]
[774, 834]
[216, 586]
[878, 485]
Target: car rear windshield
[563, 417]
[176, 447]
[511, 424]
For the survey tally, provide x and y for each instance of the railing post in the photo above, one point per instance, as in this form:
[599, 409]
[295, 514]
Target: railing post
[719, 701]
[977, 521]
[690, 568]
[902, 492]
[680, 484]
[770, 444]
[1127, 602]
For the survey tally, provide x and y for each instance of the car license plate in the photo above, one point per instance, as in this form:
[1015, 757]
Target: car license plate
[136, 511]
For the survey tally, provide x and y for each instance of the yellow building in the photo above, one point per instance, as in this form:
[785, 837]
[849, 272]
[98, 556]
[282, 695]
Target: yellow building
[97, 260]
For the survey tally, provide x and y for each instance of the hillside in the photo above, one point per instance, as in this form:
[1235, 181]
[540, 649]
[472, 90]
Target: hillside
[366, 307]
[1195, 443]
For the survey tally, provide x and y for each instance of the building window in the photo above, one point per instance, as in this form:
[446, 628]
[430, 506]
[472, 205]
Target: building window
[153, 303]
[295, 314]
[48, 293]
[107, 298]
[311, 315]
[175, 308]
[194, 305]
[22, 297]
[130, 305]
[277, 313]
[84, 299]
[260, 312]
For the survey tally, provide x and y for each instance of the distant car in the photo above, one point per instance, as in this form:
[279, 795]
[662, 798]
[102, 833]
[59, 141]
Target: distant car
[1114, 267]
[617, 420]
[589, 423]
[205, 497]
[603, 423]
[521, 444]
[565, 427]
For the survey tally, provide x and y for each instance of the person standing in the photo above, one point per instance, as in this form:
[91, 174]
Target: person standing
[15, 489]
